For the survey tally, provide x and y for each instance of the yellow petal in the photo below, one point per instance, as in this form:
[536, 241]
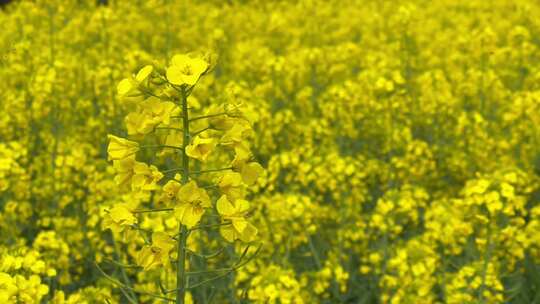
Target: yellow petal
[239, 224]
[120, 214]
[250, 173]
[175, 75]
[192, 216]
[249, 233]
[228, 233]
[125, 87]
[163, 241]
[224, 207]
[144, 73]
[120, 148]
[180, 210]
[180, 60]
[188, 193]
[241, 205]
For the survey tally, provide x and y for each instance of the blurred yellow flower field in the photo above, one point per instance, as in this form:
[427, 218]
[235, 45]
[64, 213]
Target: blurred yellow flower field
[273, 152]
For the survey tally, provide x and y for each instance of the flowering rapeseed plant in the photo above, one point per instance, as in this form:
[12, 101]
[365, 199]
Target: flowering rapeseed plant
[399, 143]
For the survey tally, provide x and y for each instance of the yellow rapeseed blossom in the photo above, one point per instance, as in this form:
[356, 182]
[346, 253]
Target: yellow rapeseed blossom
[119, 217]
[200, 148]
[121, 148]
[185, 70]
[234, 213]
[191, 202]
[156, 254]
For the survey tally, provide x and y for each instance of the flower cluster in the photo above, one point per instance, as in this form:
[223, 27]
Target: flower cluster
[399, 143]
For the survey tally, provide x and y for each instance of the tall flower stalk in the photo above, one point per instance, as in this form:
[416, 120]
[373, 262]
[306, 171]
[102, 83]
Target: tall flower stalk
[160, 98]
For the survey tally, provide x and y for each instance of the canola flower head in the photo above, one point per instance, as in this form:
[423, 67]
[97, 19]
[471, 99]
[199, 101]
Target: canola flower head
[157, 253]
[201, 148]
[121, 148]
[185, 70]
[192, 202]
[235, 213]
[119, 218]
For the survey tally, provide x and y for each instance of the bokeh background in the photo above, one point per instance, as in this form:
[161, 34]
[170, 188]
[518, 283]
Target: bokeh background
[399, 141]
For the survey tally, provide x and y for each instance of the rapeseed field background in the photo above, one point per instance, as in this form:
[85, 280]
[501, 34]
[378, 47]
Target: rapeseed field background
[311, 151]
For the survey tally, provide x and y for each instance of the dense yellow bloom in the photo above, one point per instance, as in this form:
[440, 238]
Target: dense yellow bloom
[170, 190]
[235, 213]
[21, 289]
[145, 177]
[152, 113]
[399, 141]
[185, 70]
[250, 172]
[156, 254]
[231, 184]
[190, 201]
[119, 217]
[124, 170]
[200, 148]
[139, 175]
[237, 134]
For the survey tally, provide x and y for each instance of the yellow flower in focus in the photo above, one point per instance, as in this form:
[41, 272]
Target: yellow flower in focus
[200, 148]
[185, 70]
[120, 148]
[143, 73]
[236, 134]
[118, 218]
[217, 120]
[170, 190]
[235, 213]
[250, 172]
[124, 170]
[231, 185]
[157, 253]
[136, 124]
[141, 176]
[192, 202]
[126, 87]
[152, 112]
[242, 154]
[145, 177]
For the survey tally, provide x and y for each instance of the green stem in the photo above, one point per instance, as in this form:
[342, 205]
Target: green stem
[125, 277]
[168, 128]
[161, 146]
[125, 287]
[181, 264]
[200, 131]
[210, 226]
[152, 210]
[211, 170]
[208, 116]
[122, 264]
[172, 170]
[233, 268]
